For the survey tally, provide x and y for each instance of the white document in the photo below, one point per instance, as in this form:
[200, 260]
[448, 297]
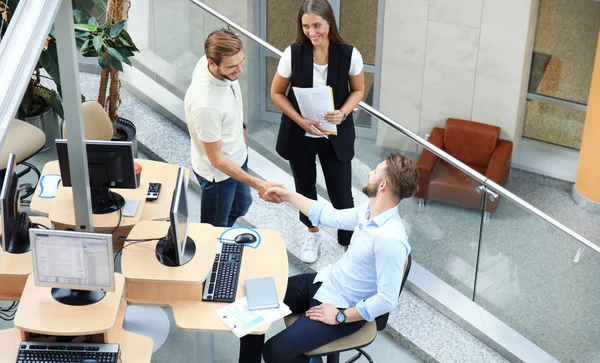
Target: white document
[243, 321]
[313, 103]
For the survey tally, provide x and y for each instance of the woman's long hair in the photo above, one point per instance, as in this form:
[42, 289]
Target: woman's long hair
[324, 10]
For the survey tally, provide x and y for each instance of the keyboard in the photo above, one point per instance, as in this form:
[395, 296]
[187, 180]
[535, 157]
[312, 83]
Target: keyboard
[68, 352]
[221, 283]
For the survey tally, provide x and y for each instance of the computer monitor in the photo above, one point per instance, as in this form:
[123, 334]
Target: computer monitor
[77, 265]
[110, 165]
[14, 223]
[177, 248]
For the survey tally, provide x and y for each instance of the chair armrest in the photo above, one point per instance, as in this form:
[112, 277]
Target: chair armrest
[499, 165]
[427, 162]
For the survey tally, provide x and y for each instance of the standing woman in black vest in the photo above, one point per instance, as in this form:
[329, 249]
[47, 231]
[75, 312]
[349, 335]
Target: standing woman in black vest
[320, 57]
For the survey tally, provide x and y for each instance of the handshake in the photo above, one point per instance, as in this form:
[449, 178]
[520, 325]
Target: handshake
[273, 192]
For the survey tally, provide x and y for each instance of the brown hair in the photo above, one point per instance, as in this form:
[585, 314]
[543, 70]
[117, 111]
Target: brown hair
[403, 175]
[222, 44]
[324, 10]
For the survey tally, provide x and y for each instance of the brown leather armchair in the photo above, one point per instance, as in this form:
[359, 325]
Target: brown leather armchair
[475, 144]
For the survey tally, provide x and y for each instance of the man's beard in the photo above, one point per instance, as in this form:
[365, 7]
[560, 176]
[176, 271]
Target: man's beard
[226, 76]
[370, 190]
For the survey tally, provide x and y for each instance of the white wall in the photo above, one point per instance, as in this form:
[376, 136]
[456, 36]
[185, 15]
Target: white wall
[466, 59]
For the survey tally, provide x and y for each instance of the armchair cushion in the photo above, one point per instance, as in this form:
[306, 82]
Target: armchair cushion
[473, 143]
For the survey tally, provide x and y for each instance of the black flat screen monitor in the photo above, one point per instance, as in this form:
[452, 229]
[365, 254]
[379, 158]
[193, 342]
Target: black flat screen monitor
[110, 165]
[15, 225]
[177, 248]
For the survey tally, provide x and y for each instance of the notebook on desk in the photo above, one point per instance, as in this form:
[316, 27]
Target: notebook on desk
[261, 293]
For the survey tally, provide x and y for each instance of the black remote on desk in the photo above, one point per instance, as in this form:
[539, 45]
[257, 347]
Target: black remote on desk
[153, 191]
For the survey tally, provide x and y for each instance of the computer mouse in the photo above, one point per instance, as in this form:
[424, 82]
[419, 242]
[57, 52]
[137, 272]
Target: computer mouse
[245, 238]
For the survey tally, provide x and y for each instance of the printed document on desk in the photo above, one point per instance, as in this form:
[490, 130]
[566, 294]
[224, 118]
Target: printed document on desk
[243, 321]
[313, 103]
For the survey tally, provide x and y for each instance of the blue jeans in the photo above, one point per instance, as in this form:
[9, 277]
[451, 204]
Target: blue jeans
[222, 203]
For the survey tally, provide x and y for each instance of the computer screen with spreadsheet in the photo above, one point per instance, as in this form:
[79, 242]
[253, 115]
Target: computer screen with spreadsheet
[76, 263]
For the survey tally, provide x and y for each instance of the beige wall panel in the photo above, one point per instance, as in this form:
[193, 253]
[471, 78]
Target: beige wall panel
[496, 103]
[449, 72]
[457, 12]
[403, 59]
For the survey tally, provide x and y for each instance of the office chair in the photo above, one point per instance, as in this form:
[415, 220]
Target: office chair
[363, 337]
[96, 122]
[24, 140]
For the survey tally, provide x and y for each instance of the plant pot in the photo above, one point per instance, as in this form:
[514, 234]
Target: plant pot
[47, 122]
[126, 132]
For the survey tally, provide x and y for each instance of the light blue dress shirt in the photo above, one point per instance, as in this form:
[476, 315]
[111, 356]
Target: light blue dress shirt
[369, 274]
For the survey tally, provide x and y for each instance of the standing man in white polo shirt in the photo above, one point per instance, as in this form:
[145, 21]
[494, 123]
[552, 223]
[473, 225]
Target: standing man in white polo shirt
[215, 117]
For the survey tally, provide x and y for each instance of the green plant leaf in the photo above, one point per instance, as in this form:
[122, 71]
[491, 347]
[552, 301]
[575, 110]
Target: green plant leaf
[49, 61]
[116, 29]
[85, 27]
[98, 41]
[125, 35]
[114, 53]
[56, 103]
[79, 16]
[115, 63]
[82, 35]
[126, 60]
[125, 52]
[84, 46]
[101, 3]
[102, 61]
[93, 21]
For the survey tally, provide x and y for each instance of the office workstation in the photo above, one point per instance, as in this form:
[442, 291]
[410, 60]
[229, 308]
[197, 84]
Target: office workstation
[165, 262]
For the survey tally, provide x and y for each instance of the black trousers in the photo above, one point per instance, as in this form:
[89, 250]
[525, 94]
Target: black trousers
[289, 345]
[338, 178]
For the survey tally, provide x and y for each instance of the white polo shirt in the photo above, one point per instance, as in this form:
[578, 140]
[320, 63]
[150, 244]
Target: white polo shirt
[214, 111]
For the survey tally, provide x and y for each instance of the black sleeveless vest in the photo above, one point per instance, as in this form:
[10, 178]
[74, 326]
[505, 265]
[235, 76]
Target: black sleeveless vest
[291, 137]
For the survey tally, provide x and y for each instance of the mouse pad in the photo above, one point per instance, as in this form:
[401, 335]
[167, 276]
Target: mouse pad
[229, 235]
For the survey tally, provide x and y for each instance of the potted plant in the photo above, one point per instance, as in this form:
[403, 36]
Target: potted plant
[40, 105]
[111, 44]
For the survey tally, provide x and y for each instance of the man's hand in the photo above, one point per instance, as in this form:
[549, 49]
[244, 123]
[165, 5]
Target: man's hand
[277, 193]
[325, 313]
[266, 185]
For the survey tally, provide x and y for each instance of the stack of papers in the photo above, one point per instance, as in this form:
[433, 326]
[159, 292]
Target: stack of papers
[243, 321]
[314, 103]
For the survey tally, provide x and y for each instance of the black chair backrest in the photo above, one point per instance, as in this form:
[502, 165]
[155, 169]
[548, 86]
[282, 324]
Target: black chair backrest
[381, 321]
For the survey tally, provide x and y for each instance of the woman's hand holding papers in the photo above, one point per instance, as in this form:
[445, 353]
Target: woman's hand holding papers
[311, 127]
[335, 117]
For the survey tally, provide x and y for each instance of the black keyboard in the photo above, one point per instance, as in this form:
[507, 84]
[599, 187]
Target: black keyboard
[221, 283]
[68, 352]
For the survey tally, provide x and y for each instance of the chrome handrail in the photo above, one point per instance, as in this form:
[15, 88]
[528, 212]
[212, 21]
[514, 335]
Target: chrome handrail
[424, 143]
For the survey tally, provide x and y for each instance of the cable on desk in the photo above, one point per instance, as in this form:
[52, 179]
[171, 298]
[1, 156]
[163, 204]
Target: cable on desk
[129, 244]
[120, 218]
[124, 238]
[8, 314]
[39, 225]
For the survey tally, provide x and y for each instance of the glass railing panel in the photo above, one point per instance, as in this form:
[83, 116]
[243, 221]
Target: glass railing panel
[444, 234]
[528, 277]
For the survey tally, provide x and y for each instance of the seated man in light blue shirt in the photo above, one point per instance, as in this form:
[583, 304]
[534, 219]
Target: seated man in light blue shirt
[362, 285]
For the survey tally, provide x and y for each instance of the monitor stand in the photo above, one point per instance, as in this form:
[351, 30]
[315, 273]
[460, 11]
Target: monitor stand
[18, 241]
[166, 252]
[77, 297]
[104, 201]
